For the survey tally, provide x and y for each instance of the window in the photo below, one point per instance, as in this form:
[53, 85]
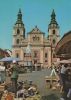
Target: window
[18, 31]
[17, 55]
[17, 41]
[54, 41]
[45, 60]
[53, 55]
[45, 55]
[33, 38]
[35, 54]
[53, 31]
[35, 61]
[24, 54]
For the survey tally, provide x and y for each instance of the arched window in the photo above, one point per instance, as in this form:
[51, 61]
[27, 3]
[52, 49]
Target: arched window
[53, 31]
[45, 55]
[46, 61]
[54, 41]
[35, 61]
[18, 31]
[35, 54]
[53, 55]
[17, 41]
[17, 55]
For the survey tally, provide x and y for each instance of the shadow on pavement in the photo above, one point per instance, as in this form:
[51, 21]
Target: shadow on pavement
[50, 97]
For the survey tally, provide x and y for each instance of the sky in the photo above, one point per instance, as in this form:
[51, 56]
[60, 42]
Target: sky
[35, 12]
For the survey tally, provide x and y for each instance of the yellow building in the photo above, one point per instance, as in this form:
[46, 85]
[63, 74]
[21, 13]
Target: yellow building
[42, 48]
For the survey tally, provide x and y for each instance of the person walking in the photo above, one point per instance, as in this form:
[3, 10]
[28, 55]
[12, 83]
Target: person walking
[63, 75]
[14, 75]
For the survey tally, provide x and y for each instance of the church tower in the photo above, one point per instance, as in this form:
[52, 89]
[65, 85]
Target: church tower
[53, 30]
[53, 35]
[18, 35]
[18, 30]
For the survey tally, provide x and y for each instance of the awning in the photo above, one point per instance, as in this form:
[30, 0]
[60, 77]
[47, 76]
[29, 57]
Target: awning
[9, 59]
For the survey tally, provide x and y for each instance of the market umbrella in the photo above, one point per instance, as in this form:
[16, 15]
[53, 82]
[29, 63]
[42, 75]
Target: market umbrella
[64, 61]
[9, 59]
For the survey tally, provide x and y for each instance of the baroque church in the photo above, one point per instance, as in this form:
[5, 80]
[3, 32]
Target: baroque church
[42, 49]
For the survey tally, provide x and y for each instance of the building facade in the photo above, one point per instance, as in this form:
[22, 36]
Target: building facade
[42, 48]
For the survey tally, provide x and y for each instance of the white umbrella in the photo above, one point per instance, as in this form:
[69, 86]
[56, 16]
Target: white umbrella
[9, 59]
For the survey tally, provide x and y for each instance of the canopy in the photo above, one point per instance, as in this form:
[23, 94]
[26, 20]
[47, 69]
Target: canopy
[65, 61]
[2, 68]
[9, 59]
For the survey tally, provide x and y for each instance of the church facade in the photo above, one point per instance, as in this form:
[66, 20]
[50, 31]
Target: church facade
[42, 48]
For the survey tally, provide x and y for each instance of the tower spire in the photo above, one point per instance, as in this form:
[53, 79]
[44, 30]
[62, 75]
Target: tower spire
[19, 18]
[19, 25]
[53, 19]
[53, 30]
[53, 16]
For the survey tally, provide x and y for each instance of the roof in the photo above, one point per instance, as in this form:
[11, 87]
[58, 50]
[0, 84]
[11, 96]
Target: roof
[36, 30]
[66, 34]
[65, 41]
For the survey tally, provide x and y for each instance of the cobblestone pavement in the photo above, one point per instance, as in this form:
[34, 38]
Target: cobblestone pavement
[38, 77]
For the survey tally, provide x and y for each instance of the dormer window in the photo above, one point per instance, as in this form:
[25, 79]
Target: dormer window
[18, 31]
